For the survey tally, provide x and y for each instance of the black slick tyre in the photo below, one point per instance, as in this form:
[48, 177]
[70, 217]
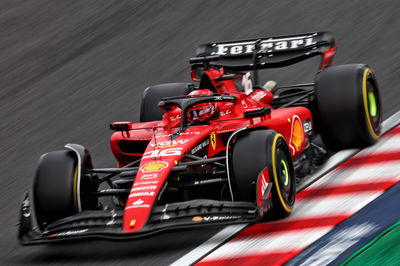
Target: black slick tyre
[348, 106]
[149, 110]
[57, 190]
[252, 152]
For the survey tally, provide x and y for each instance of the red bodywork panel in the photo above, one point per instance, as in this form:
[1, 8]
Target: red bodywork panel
[159, 154]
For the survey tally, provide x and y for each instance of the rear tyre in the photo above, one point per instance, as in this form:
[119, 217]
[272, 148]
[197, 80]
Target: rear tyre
[57, 192]
[252, 153]
[149, 110]
[348, 106]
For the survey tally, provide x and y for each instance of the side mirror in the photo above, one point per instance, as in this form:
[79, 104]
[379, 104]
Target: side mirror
[121, 126]
[197, 71]
[257, 112]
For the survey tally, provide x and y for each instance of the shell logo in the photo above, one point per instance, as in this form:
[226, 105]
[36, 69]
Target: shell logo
[154, 166]
[197, 219]
[297, 134]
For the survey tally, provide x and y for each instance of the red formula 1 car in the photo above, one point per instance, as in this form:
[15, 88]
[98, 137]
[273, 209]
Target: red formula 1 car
[226, 150]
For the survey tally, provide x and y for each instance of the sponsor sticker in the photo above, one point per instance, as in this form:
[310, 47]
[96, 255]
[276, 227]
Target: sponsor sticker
[154, 166]
[264, 185]
[149, 176]
[146, 182]
[297, 134]
[182, 134]
[142, 194]
[69, 233]
[174, 118]
[138, 206]
[267, 45]
[164, 146]
[169, 144]
[200, 146]
[214, 218]
[263, 189]
[220, 218]
[307, 126]
[143, 188]
[258, 95]
[197, 219]
[132, 223]
[207, 181]
[138, 202]
[227, 112]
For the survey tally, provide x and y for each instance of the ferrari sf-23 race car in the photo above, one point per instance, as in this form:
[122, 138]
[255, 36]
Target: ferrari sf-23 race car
[220, 150]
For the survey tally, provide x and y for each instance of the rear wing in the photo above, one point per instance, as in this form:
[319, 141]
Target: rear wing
[270, 52]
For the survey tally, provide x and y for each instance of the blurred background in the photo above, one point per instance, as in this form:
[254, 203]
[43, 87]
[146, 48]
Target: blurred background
[69, 68]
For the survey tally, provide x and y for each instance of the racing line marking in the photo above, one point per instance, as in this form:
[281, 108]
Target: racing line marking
[348, 186]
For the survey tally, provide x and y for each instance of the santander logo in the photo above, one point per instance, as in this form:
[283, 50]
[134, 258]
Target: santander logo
[138, 202]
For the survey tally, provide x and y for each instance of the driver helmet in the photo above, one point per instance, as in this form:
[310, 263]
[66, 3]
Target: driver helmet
[204, 111]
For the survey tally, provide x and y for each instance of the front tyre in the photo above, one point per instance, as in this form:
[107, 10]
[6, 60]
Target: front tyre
[254, 151]
[58, 192]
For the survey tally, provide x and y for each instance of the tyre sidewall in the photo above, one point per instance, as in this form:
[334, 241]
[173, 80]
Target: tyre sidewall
[55, 187]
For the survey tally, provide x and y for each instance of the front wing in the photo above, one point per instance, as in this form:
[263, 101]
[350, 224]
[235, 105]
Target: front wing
[107, 224]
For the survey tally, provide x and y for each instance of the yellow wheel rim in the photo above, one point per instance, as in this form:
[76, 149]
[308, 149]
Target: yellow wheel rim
[286, 172]
[369, 103]
[275, 175]
[76, 189]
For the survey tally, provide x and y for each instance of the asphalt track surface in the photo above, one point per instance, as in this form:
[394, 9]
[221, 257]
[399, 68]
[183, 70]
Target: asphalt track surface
[69, 68]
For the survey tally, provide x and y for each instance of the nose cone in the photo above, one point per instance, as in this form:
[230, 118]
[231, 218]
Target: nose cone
[147, 186]
[161, 155]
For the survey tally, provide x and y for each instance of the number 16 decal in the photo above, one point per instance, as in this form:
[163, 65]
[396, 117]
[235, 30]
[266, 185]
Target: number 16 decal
[161, 153]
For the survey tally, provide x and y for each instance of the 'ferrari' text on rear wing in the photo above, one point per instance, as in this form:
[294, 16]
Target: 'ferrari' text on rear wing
[270, 51]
